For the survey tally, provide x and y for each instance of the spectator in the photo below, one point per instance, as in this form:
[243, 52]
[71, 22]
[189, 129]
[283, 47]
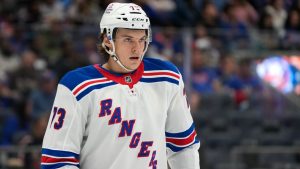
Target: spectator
[251, 85]
[293, 20]
[210, 16]
[244, 12]
[247, 76]
[266, 22]
[8, 97]
[16, 125]
[83, 12]
[259, 5]
[38, 44]
[187, 13]
[166, 44]
[41, 99]
[234, 32]
[292, 36]
[68, 60]
[220, 4]
[52, 46]
[204, 42]
[24, 78]
[34, 137]
[51, 10]
[90, 50]
[228, 70]
[269, 37]
[232, 84]
[9, 60]
[38, 127]
[278, 14]
[204, 78]
[30, 13]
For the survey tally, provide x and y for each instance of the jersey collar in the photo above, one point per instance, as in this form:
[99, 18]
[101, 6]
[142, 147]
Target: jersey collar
[129, 79]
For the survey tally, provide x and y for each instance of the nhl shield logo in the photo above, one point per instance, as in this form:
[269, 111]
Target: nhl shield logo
[128, 79]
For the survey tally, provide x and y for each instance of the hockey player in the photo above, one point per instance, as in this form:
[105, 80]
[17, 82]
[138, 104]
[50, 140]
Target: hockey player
[129, 113]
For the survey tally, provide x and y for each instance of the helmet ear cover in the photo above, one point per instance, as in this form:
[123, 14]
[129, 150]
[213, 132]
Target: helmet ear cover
[108, 39]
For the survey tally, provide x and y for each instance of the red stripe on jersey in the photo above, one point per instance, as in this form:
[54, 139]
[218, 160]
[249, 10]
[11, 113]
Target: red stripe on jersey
[46, 159]
[184, 141]
[161, 73]
[89, 83]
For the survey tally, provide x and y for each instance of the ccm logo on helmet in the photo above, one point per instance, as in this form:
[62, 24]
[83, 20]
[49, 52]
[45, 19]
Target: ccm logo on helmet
[138, 19]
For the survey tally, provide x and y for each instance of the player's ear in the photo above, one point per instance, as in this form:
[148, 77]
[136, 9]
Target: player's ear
[107, 42]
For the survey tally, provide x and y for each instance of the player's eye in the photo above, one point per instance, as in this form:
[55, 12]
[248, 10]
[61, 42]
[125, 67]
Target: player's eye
[128, 40]
[143, 40]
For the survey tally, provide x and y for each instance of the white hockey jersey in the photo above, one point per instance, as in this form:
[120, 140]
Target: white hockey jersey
[139, 120]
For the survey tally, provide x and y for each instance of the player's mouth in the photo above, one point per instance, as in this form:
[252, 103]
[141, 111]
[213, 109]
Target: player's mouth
[134, 58]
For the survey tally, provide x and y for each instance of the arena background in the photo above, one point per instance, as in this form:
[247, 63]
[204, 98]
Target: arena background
[240, 60]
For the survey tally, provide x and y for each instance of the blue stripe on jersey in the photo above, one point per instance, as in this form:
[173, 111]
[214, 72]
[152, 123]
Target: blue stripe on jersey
[75, 77]
[54, 166]
[181, 134]
[157, 64]
[94, 87]
[159, 79]
[59, 153]
[176, 148]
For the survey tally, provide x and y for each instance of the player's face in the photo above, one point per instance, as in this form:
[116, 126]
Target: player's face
[129, 46]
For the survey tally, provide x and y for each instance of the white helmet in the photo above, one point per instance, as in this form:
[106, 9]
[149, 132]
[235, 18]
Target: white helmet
[123, 15]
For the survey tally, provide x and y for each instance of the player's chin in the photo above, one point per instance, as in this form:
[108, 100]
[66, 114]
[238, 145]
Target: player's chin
[134, 64]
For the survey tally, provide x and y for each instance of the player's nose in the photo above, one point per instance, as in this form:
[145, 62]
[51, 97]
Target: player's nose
[136, 46]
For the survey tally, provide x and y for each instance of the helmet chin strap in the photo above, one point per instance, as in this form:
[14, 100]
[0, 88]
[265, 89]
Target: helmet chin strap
[115, 57]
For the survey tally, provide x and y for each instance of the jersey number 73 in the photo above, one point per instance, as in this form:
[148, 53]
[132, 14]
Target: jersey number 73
[61, 113]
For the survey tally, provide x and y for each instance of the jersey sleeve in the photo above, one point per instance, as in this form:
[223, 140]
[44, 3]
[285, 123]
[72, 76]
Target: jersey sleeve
[64, 133]
[182, 144]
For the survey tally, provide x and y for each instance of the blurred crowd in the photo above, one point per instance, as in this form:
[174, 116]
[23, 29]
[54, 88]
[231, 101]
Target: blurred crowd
[41, 40]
